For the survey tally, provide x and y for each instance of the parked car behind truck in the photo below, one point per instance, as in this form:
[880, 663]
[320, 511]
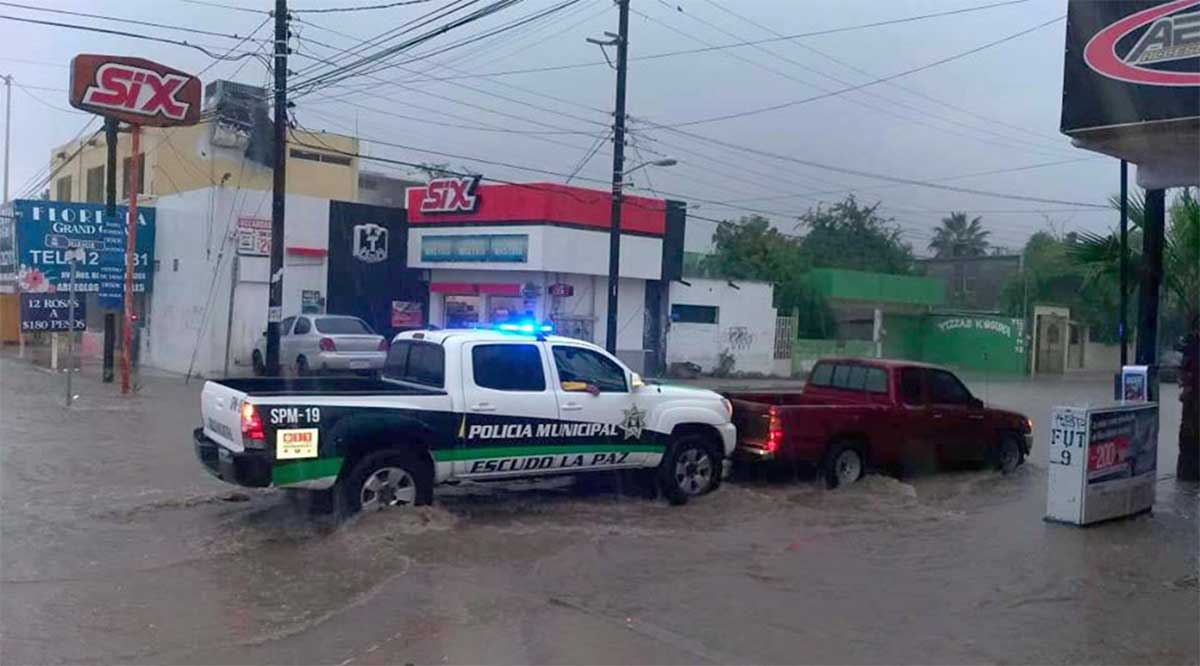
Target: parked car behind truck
[855, 414]
[310, 343]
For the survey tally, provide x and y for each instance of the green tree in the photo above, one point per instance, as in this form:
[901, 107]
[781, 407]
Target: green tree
[958, 237]
[752, 249]
[854, 236]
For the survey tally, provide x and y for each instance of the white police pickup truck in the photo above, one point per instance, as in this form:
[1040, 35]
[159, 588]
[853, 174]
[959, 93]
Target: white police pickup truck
[464, 404]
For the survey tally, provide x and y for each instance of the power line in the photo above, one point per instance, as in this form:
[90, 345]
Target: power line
[868, 174]
[1058, 143]
[118, 19]
[133, 35]
[909, 89]
[46, 104]
[219, 5]
[907, 72]
[719, 47]
[342, 72]
[358, 8]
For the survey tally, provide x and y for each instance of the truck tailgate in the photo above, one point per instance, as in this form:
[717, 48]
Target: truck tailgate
[220, 408]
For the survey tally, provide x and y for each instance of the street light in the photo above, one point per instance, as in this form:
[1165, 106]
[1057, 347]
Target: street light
[667, 162]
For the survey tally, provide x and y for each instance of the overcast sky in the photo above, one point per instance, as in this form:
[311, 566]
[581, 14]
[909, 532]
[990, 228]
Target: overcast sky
[992, 110]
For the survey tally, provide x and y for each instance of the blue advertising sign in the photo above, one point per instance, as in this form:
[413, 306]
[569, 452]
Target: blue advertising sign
[501, 248]
[51, 312]
[42, 265]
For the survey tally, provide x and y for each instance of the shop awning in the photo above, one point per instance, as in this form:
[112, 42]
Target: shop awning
[475, 289]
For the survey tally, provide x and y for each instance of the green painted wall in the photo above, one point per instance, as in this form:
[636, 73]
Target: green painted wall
[974, 342]
[836, 283]
[805, 352]
[902, 336]
[981, 343]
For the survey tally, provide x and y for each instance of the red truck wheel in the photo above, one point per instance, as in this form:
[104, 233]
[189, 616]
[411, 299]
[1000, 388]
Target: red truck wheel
[845, 463]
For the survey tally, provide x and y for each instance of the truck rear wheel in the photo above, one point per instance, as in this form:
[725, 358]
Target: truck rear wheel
[384, 480]
[691, 467]
[844, 464]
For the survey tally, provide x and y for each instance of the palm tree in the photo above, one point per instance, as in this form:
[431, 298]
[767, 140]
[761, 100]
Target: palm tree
[959, 238]
[1099, 255]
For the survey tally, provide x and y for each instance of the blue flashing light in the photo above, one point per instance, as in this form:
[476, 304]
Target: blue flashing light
[529, 327]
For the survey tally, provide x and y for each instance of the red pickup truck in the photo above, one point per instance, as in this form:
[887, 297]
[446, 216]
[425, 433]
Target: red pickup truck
[894, 415]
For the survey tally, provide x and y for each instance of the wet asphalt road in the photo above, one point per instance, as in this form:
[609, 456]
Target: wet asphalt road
[116, 547]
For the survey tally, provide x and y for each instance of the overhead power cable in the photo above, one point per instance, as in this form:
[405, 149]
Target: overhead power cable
[739, 44]
[906, 88]
[122, 20]
[206, 50]
[356, 67]
[363, 46]
[358, 8]
[868, 174]
[907, 72]
[221, 5]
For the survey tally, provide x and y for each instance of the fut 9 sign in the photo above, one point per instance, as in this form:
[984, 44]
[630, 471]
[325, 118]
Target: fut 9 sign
[135, 90]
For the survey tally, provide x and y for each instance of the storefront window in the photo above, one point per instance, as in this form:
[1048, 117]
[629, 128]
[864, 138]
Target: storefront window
[462, 311]
[508, 308]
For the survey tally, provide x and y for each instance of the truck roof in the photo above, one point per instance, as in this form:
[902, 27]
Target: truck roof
[885, 363]
[440, 336]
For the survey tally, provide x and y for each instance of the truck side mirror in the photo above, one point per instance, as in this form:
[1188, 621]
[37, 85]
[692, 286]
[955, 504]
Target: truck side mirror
[635, 381]
[976, 403]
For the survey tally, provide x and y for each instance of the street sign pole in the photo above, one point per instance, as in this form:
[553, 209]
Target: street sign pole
[74, 252]
[135, 135]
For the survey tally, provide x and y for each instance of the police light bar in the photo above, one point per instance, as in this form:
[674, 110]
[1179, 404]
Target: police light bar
[525, 327]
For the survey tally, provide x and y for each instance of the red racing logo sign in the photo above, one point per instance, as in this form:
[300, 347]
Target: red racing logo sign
[134, 90]
[451, 195]
[1172, 35]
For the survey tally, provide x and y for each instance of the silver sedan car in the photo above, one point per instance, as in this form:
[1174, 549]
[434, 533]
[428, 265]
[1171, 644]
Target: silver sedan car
[318, 342]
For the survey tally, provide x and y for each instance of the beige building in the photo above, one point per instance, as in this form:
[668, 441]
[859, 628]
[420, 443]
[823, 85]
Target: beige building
[209, 154]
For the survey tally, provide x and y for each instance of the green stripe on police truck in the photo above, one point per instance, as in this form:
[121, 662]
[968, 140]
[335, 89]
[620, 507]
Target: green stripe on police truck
[452, 455]
[284, 473]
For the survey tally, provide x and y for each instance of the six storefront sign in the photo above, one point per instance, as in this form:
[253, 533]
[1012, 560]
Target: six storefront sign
[370, 243]
[451, 195]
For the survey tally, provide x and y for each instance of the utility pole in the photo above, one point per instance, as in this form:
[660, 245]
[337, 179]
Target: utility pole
[618, 176]
[1123, 330]
[110, 213]
[278, 190]
[1154, 217]
[7, 122]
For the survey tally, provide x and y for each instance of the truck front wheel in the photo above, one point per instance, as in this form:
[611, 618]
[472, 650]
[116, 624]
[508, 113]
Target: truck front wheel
[691, 467]
[386, 479]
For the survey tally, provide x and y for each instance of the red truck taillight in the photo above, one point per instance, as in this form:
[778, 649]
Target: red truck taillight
[383, 345]
[327, 344]
[774, 430]
[252, 427]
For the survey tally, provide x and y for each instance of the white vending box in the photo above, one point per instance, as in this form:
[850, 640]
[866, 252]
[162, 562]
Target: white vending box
[1103, 462]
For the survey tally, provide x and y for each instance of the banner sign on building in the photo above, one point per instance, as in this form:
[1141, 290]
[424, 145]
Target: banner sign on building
[253, 236]
[407, 314]
[499, 248]
[8, 252]
[1130, 62]
[1103, 462]
[51, 313]
[134, 90]
[42, 265]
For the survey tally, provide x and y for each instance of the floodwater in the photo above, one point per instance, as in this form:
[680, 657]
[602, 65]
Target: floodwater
[115, 546]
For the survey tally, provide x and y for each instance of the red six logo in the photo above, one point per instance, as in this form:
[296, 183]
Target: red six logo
[1167, 38]
[134, 90]
[143, 91]
[450, 195]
